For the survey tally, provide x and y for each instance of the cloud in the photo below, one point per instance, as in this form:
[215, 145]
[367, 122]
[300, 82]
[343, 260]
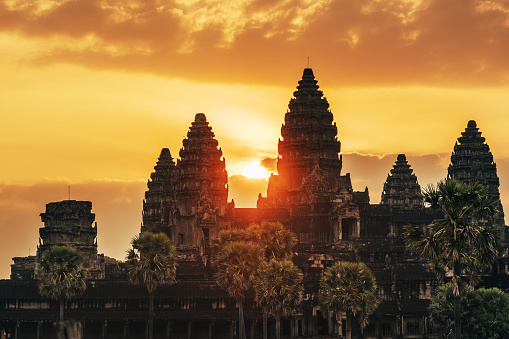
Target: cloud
[270, 164]
[432, 42]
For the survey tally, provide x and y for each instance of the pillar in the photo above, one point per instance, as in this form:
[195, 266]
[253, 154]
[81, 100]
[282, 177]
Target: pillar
[190, 329]
[126, 326]
[104, 328]
[211, 329]
[168, 329]
[38, 329]
[232, 329]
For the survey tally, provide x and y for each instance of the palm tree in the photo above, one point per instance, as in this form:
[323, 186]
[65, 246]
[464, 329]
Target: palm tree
[348, 287]
[463, 241]
[61, 274]
[236, 264]
[151, 262]
[277, 241]
[278, 288]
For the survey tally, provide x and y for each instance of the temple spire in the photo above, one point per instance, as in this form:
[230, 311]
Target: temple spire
[472, 161]
[401, 189]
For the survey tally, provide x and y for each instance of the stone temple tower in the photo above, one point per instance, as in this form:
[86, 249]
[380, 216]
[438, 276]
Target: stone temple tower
[401, 189]
[308, 135]
[472, 162]
[321, 204]
[159, 209]
[66, 223]
[201, 187]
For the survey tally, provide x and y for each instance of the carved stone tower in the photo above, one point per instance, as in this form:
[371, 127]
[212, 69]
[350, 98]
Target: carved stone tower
[401, 189]
[66, 223]
[321, 203]
[472, 161]
[309, 136]
[159, 209]
[201, 189]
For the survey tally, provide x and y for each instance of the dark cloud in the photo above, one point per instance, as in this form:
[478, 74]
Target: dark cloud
[367, 42]
[270, 164]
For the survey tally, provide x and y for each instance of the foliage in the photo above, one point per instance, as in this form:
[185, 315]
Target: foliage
[463, 241]
[278, 288]
[349, 287]
[236, 264]
[277, 241]
[61, 273]
[485, 313]
[227, 236]
[152, 260]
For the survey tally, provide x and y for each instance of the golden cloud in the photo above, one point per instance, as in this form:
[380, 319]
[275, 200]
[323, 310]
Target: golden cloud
[457, 42]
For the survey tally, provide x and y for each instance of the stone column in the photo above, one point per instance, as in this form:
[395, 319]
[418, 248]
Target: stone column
[38, 329]
[212, 333]
[232, 329]
[168, 329]
[190, 329]
[126, 327]
[104, 329]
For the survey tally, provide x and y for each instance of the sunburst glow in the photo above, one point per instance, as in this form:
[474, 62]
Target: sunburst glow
[254, 170]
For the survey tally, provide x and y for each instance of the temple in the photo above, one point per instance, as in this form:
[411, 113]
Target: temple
[187, 200]
[472, 161]
[401, 189]
[69, 223]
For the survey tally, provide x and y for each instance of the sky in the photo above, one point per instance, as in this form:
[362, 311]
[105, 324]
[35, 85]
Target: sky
[92, 90]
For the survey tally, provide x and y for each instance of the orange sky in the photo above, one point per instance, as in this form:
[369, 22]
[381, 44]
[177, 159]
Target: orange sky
[90, 91]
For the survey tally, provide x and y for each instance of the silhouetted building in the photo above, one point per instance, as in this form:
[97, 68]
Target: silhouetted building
[401, 189]
[309, 195]
[472, 162]
[66, 223]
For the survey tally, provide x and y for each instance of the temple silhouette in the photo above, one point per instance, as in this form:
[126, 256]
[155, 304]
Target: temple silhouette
[188, 200]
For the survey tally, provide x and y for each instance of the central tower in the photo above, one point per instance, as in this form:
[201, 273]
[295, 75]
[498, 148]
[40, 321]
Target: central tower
[308, 135]
[309, 188]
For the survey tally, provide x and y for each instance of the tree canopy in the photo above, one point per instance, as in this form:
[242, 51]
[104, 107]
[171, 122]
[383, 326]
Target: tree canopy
[278, 289]
[152, 260]
[464, 241]
[349, 287]
[61, 273]
[485, 313]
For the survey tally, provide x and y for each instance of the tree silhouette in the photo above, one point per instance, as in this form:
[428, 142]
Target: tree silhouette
[151, 262]
[350, 288]
[278, 288]
[485, 313]
[236, 264]
[61, 274]
[463, 242]
[277, 241]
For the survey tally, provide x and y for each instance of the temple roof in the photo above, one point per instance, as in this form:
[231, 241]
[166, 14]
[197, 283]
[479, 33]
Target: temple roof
[472, 161]
[401, 189]
[308, 134]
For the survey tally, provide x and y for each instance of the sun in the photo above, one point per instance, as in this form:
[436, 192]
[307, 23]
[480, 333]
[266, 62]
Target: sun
[253, 170]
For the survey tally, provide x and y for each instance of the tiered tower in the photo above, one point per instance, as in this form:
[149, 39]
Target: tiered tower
[159, 210]
[472, 162]
[401, 189]
[309, 136]
[321, 204]
[201, 189]
[66, 223]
